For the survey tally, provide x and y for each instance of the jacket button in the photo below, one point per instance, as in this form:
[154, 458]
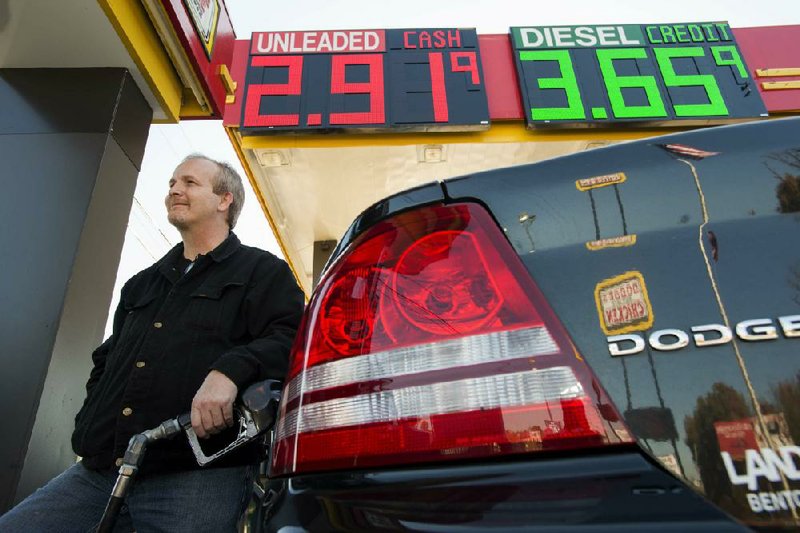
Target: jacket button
[140, 364]
[127, 411]
[158, 324]
[118, 462]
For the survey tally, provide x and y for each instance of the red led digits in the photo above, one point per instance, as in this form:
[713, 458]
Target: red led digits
[252, 114]
[371, 79]
[339, 85]
[438, 89]
[471, 66]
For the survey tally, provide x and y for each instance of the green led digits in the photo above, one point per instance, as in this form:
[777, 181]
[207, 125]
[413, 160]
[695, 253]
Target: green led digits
[663, 75]
[735, 59]
[567, 82]
[615, 84]
[716, 104]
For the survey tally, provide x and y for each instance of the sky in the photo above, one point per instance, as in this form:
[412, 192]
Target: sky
[495, 16]
[149, 236]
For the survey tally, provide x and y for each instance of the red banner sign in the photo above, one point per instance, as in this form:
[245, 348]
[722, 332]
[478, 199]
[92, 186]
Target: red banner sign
[735, 437]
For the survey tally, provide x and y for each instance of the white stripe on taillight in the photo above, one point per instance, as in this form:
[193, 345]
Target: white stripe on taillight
[409, 360]
[504, 390]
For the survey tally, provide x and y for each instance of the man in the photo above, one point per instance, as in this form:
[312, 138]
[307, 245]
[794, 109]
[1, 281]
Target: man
[190, 332]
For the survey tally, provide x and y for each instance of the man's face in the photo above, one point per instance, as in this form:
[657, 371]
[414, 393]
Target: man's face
[191, 201]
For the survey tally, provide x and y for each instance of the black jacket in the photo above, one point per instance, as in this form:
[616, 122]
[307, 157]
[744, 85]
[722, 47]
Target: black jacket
[236, 311]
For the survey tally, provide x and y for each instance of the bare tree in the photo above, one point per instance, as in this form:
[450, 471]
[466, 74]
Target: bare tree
[788, 188]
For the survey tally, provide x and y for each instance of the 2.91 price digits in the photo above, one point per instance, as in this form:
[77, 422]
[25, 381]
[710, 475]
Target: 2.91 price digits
[615, 83]
[254, 117]
[257, 113]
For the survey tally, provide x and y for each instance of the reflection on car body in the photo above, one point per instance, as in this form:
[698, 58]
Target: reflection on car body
[457, 367]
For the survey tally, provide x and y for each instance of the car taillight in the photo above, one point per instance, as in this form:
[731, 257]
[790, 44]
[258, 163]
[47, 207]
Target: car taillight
[428, 340]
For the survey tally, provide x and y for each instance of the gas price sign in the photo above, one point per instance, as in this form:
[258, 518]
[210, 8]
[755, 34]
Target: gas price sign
[417, 79]
[593, 75]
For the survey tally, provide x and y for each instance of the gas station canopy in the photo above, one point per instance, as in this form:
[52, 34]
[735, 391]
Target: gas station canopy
[176, 54]
[328, 122]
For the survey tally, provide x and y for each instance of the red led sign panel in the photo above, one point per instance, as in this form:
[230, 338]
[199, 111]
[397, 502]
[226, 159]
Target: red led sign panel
[414, 79]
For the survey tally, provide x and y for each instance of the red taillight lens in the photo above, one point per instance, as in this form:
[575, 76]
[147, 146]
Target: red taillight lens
[436, 292]
[427, 340]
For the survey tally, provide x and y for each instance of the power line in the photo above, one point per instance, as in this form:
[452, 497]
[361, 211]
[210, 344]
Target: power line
[152, 222]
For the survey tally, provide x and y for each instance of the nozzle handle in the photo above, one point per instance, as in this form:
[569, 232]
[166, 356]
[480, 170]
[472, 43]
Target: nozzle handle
[255, 412]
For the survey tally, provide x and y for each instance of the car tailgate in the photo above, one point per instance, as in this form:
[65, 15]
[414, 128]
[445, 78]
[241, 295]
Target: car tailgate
[672, 243]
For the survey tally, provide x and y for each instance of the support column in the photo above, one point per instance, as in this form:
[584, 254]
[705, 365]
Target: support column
[71, 146]
[322, 252]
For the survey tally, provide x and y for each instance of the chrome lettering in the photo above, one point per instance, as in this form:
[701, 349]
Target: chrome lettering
[790, 325]
[758, 329]
[615, 350]
[724, 333]
[681, 342]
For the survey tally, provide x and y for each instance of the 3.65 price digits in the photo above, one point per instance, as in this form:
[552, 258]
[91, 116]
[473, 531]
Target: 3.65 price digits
[568, 82]
[615, 83]
[716, 103]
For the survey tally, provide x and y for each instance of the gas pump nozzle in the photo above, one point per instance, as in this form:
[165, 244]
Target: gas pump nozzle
[255, 414]
[255, 411]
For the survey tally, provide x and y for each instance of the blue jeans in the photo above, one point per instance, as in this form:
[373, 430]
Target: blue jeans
[198, 500]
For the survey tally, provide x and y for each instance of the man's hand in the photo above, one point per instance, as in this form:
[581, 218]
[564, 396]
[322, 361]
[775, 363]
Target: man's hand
[212, 406]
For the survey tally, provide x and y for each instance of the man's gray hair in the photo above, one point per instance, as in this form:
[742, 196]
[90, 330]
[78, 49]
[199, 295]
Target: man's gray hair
[226, 180]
